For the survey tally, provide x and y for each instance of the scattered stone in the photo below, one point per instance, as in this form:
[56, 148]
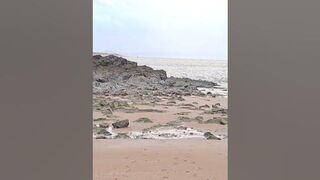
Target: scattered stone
[102, 131]
[151, 110]
[101, 137]
[209, 135]
[180, 98]
[216, 105]
[216, 111]
[103, 125]
[204, 106]
[182, 113]
[100, 119]
[189, 108]
[143, 120]
[222, 121]
[174, 123]
[199, 118]
[122, 136]
[184, 119]
[171, 102]
[121, 124]
[195, 103]
[187, 119]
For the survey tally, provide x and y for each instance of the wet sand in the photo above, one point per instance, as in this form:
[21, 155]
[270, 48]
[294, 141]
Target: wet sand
[187, 159]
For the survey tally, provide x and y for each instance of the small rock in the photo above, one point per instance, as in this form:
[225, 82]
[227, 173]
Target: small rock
[204, 106]
[183, 113]
[223, 121]
[143, 120]
[101, 137]
[103, 125]
[122, 136]
[103, 132]
[121, 124]
[100, 119]
[209, 135]
[171, 102]
[198, 118]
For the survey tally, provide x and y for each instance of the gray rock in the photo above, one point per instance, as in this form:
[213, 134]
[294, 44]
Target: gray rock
[143, 120]
[209, 135]
[103, 131]
[100, 119]
[122, 136]
[121, 124]
[103, 125]
[223, 121]
[204, 106]
[114, 75]
[101, 137]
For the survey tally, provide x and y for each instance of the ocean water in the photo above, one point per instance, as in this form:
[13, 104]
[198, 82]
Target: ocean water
[210, 70]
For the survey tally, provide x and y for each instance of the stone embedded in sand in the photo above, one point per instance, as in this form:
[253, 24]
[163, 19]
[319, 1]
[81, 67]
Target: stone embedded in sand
[209, 135]
[187, 105]
[216, 111]
[143, 120]
[102, 131]
[100, 119]
[216, 105]
[103, 125]
[182, 113]
[101, 137]
[185, 119]
[122, 136]
[199, 118]
[121, 124]
[223, 121]
[204, 106]
[171, 102]
[151, 110]
[211, 121]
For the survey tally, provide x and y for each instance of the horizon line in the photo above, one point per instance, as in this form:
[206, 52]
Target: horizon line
[135, 56]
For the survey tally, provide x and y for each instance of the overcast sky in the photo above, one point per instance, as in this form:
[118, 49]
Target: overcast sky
[161, 28]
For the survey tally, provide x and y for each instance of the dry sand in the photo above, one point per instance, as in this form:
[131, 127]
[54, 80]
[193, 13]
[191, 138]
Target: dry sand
[160, 159]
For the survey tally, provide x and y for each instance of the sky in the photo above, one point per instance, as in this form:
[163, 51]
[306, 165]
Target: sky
[196, 29]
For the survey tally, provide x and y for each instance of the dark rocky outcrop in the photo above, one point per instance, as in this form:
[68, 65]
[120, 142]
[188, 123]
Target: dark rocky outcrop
[114, 75]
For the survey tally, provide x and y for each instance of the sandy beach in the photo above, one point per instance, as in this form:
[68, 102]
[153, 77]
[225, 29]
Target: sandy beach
[153, 159]
[159, 159]
[147, 126]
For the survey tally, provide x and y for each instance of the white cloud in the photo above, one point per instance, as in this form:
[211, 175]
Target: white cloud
[188, 24]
